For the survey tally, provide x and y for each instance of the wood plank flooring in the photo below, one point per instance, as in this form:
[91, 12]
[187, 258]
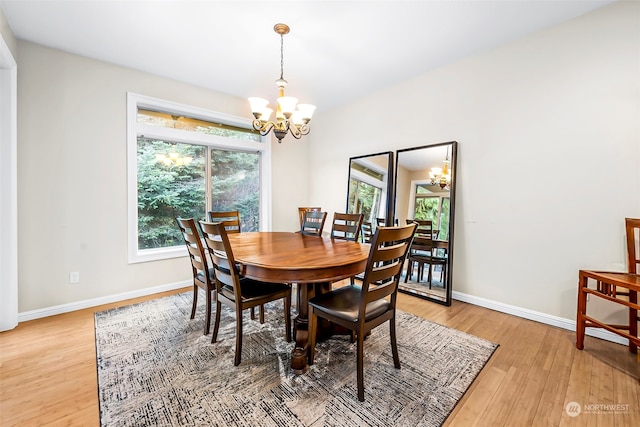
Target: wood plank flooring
[48, 372]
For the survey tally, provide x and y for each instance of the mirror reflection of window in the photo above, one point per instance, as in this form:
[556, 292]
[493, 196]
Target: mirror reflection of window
[367, 188]
[431, 203]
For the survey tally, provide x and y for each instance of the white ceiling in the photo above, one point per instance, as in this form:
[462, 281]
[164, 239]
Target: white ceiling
[337, 51]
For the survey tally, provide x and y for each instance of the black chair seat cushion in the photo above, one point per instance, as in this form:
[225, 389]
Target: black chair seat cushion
[344, 303]
[200, 276]
[253, 289]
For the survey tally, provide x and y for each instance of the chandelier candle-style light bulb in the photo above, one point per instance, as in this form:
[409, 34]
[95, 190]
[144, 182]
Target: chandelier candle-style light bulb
[291, 117]
[441, 176]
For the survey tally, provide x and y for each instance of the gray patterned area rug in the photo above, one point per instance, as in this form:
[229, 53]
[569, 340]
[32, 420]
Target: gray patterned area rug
[156, 368]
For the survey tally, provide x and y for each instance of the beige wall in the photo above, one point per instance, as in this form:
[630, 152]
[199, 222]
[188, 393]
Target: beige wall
[72, 176]
[549, 147]
[554, 117]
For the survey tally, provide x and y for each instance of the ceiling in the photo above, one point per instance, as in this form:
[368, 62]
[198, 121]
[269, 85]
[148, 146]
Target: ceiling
[337, 51]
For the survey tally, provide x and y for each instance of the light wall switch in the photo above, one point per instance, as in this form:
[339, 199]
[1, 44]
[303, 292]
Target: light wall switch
[74, 277]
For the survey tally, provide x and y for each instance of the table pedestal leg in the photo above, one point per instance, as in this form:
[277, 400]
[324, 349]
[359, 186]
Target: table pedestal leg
[306, 291]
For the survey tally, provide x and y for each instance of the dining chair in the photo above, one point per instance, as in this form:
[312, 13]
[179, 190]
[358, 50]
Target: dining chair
[230, 218]
[303, 209]
[360, 309]
[313, 223]
[423, 253]
[202, 273]
[231, 221]
[236, 293]
[615, 287]
[346, 226]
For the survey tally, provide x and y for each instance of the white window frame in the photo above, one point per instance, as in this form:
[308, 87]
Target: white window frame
[135, 129]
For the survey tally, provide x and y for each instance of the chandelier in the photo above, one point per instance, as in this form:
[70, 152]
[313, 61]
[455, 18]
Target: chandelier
[442, 176]
[288, 118]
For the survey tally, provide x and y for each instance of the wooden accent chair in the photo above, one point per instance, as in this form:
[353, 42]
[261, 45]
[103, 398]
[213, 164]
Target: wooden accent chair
[235, 293]
[615, 287]
[303, 209]
[202, 273]
[422, 252]
[360, 309]
[313, 223]
[346, 226]
[231, 220]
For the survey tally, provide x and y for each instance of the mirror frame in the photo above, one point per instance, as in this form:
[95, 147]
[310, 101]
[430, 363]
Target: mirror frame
[452, 197]
[389, 214]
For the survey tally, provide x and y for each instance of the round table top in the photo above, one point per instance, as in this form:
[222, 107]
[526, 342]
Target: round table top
[296, 258]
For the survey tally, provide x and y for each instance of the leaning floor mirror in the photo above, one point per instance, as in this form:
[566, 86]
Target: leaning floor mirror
[370, 189]
[425, 182]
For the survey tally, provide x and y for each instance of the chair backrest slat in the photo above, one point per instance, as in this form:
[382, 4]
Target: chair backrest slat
[194, 245]
[231, 220]
[366, 232]
[303, 209]
[346, 226]
[389, 248]
[217, 242]
[313, 223]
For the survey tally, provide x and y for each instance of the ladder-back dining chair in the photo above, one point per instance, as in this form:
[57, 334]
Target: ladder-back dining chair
[422, 253]
[313, 223]
[303, 209]
[202, 273]
[236, 293]
[360, 309]
[346, 226]
[230, 218]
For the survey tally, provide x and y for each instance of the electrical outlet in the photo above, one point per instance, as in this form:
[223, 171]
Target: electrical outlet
[74, 277]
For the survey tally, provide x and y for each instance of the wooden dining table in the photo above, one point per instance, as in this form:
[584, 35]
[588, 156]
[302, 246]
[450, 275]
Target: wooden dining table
[312, 262]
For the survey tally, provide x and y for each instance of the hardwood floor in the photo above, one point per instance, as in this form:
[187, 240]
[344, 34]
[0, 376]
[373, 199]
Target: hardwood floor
[48, 371]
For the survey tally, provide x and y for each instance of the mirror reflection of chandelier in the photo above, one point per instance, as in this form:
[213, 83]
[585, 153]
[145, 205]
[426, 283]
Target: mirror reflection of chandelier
[442, 176]
[288, 118]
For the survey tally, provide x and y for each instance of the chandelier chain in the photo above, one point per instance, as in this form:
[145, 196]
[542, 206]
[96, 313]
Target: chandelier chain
[281, 56]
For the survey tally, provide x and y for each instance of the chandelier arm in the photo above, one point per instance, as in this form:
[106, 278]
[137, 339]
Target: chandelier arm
[295, 131]
[263, 127]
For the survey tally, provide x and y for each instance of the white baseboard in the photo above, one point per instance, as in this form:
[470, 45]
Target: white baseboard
[482, 302]
[538, 317]
[79, 305]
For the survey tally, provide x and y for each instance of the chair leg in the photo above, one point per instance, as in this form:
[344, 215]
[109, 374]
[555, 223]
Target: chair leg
[409, 271]
[394, 345]
[216, 325]
[195, 301]
[287, 316]
[253, 313]
[311, 329]
[360, 367]
[237, 359]
[262, 314]
[207, 321]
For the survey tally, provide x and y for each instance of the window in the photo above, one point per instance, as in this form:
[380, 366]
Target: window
[185, 161]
